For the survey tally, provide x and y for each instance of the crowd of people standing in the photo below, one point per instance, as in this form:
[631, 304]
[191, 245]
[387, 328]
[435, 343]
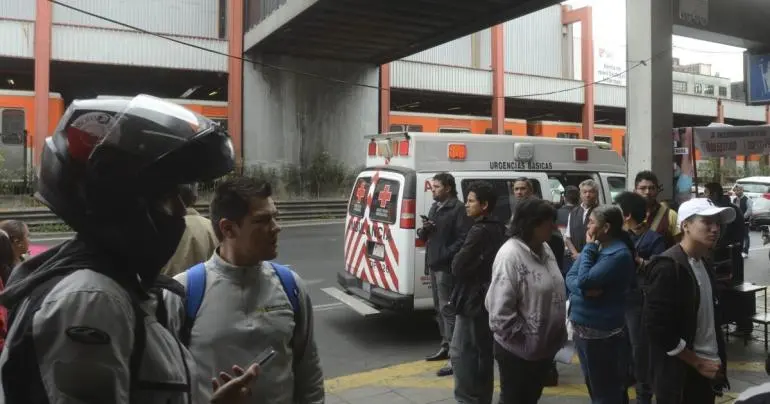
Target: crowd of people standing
[633, 279]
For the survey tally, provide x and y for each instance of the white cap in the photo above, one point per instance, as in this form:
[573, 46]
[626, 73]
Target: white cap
[704, 207]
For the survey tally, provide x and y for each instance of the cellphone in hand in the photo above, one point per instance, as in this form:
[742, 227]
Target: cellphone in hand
[425, 218]
[265, 357]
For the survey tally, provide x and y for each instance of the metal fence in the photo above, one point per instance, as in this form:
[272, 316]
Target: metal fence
[289, 211]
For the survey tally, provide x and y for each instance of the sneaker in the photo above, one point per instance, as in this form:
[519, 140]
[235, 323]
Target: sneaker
[745, 255]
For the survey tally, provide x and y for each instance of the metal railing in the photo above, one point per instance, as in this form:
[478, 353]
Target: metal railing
[290, 211]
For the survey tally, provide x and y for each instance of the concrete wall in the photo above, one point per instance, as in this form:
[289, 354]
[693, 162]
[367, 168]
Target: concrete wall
[290, 117]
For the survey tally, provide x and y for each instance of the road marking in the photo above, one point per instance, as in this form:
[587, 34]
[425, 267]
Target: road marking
[327, 306]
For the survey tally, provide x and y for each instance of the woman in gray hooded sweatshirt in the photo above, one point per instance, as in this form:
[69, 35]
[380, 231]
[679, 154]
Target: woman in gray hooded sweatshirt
[526, 303]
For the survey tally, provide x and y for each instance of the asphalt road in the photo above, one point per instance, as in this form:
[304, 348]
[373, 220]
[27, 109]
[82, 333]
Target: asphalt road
[349, 343]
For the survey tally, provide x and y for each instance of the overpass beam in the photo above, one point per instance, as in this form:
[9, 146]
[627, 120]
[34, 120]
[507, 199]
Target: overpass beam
[649, 104]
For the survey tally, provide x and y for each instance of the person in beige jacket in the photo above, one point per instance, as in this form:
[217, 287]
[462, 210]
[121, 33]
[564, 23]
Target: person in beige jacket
[199, 240]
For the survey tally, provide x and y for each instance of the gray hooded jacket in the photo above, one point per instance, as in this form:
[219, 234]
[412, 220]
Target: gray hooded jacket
[244, 311]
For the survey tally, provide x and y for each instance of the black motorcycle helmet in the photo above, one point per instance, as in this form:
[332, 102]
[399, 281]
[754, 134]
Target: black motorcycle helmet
[112, 167]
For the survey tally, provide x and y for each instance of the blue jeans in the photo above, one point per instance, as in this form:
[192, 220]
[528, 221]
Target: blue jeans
[604, 368]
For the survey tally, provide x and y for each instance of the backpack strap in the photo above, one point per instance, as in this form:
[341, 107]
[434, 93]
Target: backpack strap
[289, 283]
[196, 287]
[286, 276]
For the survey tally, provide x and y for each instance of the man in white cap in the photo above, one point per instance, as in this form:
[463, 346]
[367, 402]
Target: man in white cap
[687, 347]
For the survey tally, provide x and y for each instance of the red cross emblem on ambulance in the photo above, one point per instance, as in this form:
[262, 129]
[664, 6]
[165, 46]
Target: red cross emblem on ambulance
[384, 196]
[361, 191]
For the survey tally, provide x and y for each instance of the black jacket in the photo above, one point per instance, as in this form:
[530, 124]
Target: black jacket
[445, 239]
[472, 265]
[670, 313]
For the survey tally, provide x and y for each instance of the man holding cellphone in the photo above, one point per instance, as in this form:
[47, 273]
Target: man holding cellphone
[444, 231]
[248, 313]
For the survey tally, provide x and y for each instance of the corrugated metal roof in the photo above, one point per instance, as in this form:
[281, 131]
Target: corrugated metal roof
[197, 18]
[459, 80]
[377, 31]
[564, 90]
[17, 9]
[98, 45]
[453, 53]
[532, 43]
[18, 39]
[432, 77]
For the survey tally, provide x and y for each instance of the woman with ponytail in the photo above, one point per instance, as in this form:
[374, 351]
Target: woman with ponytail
[597, 283]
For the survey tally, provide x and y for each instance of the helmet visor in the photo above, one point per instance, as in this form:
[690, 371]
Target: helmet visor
[145, 128]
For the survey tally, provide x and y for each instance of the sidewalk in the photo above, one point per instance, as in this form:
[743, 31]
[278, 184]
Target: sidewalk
[416, 382]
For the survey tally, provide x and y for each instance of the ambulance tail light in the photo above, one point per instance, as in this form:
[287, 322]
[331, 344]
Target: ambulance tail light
[407, 214]
[403, 148]
[581, 154]
[372, 151]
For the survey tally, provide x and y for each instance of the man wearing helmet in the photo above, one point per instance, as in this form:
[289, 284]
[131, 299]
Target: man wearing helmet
[86, 309]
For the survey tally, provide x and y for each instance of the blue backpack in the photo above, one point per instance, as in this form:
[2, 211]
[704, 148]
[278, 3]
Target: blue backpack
[196, 287]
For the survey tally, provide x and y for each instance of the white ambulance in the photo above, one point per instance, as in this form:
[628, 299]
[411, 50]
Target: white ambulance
[384, 261]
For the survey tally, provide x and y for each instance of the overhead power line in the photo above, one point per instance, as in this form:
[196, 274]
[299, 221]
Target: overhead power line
[332, 79]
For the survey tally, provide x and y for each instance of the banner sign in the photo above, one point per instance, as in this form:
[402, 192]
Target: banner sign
[732, 141]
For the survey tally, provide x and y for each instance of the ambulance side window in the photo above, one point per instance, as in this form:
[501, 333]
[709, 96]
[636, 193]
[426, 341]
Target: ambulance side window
[385, 201]
[504, 190]
[357, 205]
[560, 181]
[617, 186]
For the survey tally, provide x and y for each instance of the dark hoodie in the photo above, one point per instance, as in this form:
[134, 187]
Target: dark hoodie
[472, 265]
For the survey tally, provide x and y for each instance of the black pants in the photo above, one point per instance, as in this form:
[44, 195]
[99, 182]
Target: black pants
[521, 381]
[678, 383]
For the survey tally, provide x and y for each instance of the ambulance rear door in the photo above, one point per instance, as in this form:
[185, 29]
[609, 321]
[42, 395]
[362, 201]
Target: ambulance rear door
[380, 233]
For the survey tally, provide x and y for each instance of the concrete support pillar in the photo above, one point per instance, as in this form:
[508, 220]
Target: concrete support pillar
[498, 79]
[385, 98]
[43, 21]
[649, 105]
[235, 78]
[293, 119]
[584, 16]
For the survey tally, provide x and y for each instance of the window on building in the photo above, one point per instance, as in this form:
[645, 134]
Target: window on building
[454, 130]
[222, 19]
[567, 135]
[405, 128]
[605, 139]
[12, 128]
[709, 89]
[680, 86]
[698, 89]
[489, 132]
[722, 91]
